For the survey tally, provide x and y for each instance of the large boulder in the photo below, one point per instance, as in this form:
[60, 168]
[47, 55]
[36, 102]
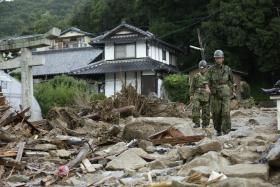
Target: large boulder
[241, 155]
[241, 182]
[273, 156]
[205, 164]
[246, 171]
[207, 144]
[143, 127]
[130, 159]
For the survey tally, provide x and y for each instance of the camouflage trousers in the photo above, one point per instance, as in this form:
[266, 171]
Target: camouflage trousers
[203, 106]
[220, 108]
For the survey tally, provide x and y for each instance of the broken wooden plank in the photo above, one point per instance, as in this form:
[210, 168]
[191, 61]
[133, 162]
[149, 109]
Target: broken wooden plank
[6, 137]
[9, 162]
[22, 117]
[48, 180]
[57, 123]
[42, 147]
[88, 166]
[8, 153]
[70, 139]
[37, 153]
[7, 118]
[21, 146]
[4, 108]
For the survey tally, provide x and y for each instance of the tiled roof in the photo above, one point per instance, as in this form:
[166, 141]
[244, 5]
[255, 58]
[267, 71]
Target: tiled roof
[63, 61]
[135, 64]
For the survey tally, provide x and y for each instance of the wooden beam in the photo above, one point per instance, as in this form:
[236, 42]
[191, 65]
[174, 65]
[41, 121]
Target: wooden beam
[21, 146]
[16, 63]
[17, 44]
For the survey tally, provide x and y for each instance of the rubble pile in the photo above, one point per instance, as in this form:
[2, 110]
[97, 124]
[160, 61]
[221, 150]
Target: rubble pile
[128, 102]
[73, 148]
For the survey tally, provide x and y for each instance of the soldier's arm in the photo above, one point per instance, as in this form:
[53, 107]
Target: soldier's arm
[192, 85]
[231, 81]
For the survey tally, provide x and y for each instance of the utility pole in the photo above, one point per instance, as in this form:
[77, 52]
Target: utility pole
[201, 47]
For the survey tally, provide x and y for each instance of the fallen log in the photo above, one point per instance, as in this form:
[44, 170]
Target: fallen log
[7, 118]
[9, 162]
[126, 109]
[81, 155]
[177, 140]
[6, 137]
[70, 139]
[22, 117]
[57, 123]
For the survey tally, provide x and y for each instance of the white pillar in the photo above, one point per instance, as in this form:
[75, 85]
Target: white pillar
[26, 79]
[278, 114]
[277, 98]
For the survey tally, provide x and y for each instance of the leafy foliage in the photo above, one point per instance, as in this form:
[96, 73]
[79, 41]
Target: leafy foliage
[62, 91]
[20, 17]
[177, 87]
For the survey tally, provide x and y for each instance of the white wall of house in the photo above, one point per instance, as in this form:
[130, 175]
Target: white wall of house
[155, 52]
[159, 87]
[109, 84]
[113, 83]
[109, 51]
[141, 49]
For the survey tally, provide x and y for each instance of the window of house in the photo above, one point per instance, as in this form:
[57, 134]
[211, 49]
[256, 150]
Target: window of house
[125, 50]
[163, 54]
[172, 59]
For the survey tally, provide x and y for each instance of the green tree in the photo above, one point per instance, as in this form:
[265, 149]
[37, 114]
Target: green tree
[177, 87]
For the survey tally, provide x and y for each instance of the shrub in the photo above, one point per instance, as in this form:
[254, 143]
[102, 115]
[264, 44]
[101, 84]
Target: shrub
[177, 87]
[59, 91]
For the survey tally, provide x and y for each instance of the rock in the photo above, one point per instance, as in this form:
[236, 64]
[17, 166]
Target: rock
[18, 178]
[157, 164]
[241, 155]
[209, 145]
[186, 153]
[212, 160]
[129, 159]
[113, 150]
[129, 172]
[238, 113]
[267, 137]
[132, 181]
[246, 171]
[44, 147]
[176, 183]
[97, 166]
[240, 182]
[172, 155]
[62, 153]
[143, 127]
[147, 146]
[273, 156]
[243, 131]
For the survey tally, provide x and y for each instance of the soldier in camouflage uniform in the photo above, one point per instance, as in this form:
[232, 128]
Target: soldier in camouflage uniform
[221, 85]
[199, 96]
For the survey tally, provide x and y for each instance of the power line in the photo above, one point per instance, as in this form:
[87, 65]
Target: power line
[278, 11]
[188, 26]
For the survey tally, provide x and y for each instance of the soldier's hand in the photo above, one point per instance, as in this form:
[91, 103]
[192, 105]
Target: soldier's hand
[191, 98]
[208, 90]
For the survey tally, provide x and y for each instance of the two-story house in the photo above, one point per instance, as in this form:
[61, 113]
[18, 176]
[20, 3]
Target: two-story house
[131, 56]
[69, 51]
